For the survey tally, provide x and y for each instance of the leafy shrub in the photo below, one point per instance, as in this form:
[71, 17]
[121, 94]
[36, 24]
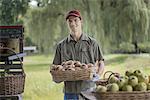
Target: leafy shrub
[126, 47]
[144, 47]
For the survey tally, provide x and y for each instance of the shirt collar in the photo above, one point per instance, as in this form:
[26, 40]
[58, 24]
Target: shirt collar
[83, 37]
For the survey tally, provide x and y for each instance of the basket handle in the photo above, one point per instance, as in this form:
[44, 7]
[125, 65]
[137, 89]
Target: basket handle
[112, 73]
[6, 48]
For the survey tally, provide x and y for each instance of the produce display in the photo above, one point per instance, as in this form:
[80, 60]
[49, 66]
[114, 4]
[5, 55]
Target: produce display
[72, 65]
[131, 81]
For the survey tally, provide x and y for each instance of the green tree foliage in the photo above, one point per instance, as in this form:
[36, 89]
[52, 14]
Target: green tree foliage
[11, 11]
[111, 22]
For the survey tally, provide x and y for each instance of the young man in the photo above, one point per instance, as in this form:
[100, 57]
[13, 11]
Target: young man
[79, 47]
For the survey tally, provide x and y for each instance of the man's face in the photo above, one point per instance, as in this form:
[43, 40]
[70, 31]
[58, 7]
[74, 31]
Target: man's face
[74, 24]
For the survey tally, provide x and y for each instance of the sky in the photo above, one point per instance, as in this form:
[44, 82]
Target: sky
[33, 3]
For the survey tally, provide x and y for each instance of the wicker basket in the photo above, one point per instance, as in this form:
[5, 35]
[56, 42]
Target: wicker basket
[12, 85]
[12, 79]
[122, 95]
[69, 75]
[105, 80]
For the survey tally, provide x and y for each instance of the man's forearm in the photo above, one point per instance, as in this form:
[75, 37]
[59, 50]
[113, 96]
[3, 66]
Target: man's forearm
[100, 67]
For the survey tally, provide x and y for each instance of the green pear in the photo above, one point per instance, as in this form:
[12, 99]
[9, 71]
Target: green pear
[121, 82]
[113, 79]
[137, 73]
[133, 81]
[148, 86]
[108, 86]
[101, 89]
[128, 73]
[127, 88]
[146, 79]
[141, 87]
[143, 78]
[98, 87]
[113, 87]
[126, 79]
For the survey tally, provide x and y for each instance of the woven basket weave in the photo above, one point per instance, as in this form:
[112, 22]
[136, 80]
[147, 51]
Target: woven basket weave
[12, 85]
[69, 75]
[122, 95]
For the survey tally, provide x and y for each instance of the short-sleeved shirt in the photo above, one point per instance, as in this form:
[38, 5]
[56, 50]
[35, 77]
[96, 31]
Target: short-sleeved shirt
[86, 50]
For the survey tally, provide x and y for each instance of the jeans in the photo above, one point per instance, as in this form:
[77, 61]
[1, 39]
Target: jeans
[71, 96]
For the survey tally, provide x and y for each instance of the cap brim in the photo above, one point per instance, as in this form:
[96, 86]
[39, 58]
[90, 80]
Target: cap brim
[72, 15]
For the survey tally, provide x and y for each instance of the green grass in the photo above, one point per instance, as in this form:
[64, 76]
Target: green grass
[120, 63]
[39, 84]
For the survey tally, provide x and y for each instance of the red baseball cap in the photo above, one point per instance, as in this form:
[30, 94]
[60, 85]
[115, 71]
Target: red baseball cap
[73, 13]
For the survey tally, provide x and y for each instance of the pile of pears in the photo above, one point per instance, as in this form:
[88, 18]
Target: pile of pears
[131, 81]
